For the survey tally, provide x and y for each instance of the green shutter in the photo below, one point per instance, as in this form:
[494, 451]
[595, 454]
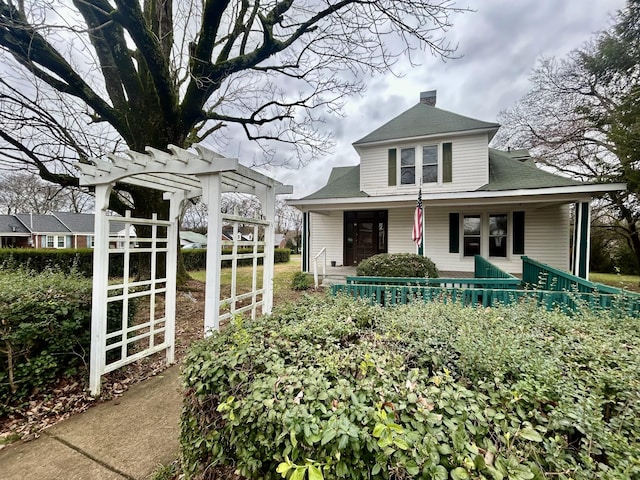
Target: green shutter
[518, 233]
[392, 167]
[454, 233]
[447, 163]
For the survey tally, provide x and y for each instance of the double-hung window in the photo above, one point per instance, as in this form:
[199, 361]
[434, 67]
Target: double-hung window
[498, 235]
[408, 166]
[51, 241]
[430, 164]
[472, 231]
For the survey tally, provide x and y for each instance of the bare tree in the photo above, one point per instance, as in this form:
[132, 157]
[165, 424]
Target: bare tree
[27, 193]
[81, 79]
[581, 118]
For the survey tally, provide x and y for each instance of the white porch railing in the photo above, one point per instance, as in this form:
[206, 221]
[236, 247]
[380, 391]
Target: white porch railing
[322, 253]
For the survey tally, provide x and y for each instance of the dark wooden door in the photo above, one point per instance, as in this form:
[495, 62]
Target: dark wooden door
[365, 235]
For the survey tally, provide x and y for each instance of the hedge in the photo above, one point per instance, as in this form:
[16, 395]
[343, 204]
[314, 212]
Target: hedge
[44, 331]
[81, 260]
[333, 388]
[196, 259]
[45, 328]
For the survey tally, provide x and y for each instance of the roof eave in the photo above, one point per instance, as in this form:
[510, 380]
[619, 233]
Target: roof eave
[459, 133]
[580, 190]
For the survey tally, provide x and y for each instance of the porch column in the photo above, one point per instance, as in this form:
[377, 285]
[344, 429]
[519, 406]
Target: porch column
[304, 240]
[581, 240]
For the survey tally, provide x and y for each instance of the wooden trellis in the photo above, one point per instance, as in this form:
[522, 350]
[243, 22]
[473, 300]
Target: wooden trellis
[116, 339]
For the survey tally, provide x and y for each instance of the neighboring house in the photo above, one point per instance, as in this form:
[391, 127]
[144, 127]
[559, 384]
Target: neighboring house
[279, 240]
[477, 200]
[13, 233]
[81, 227]
[46, 231]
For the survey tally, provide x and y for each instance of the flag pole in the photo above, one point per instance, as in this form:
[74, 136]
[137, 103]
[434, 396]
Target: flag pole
[421, 246]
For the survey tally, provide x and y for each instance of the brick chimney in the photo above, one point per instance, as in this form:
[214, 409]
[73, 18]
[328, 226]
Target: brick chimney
[428, 98]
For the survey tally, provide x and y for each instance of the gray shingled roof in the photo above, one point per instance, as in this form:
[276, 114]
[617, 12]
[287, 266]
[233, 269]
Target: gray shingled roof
[9, 224]
[76, 222]
[421, 120]
[37, 223]
[344, 182]
[513, 171]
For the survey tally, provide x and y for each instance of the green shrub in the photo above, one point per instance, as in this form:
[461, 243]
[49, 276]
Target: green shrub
[196, 259]
[397, 265]
[338, 389]
[301, 281]
[44, 330]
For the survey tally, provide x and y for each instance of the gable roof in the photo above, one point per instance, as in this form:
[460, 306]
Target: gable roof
[423, 120]
[37, 223]
[9, 224]
[515, 171]
[344, 182]
[76, 222]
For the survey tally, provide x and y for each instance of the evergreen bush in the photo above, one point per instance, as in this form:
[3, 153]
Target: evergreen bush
[333, 388]
[397, 265]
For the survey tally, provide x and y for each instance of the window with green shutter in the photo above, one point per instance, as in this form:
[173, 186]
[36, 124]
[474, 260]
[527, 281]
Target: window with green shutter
[392, 167]
[518, 233]
[454, 233]
[447, 163]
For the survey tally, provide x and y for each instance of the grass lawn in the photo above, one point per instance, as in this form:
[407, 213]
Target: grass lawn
[628, 282]
[283, 274]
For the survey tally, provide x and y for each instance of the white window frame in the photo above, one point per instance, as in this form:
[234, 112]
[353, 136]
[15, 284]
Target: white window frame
[414, 166]
[418, 165]
[54, 241]
[485, 235]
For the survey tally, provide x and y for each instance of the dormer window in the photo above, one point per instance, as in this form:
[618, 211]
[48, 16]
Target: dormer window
[435, 164]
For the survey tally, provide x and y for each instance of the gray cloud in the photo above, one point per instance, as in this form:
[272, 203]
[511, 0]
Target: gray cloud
[498, 45]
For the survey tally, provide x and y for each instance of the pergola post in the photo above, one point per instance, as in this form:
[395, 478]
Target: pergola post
[100, 283]
[175, 204]
[211, 194]
[267, 196]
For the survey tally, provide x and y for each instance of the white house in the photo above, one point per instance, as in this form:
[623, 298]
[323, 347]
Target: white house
[477, 200]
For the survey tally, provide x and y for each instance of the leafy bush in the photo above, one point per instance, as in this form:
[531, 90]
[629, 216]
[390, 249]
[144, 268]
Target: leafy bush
[196, 259]
[301, 281]
[337, 389]
[397, 265]
[44, 330]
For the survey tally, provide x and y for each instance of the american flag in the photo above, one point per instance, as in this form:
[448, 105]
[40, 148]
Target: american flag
[417, 221]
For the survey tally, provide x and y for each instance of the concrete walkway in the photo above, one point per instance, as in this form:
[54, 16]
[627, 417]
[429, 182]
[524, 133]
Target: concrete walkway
[126, 438]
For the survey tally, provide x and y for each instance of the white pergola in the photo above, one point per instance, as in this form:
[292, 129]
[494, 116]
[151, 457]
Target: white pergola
[180, 174]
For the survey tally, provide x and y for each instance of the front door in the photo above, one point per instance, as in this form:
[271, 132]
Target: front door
[365, 235]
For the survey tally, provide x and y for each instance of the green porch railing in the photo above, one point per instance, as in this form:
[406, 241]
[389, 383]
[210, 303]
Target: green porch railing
[483, 268]
[547, 286]
[540, 276]
[566, 301]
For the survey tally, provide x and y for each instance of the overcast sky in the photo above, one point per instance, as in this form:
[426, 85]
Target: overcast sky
[499, 44]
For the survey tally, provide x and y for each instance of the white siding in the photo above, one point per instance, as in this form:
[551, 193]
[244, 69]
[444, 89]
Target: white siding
[326, 231]
[470, 166]
[547, 236]
[400, 227]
